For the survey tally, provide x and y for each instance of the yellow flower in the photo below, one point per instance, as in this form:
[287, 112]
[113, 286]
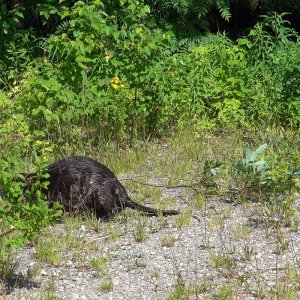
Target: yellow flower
[115, 86]
[115, 80]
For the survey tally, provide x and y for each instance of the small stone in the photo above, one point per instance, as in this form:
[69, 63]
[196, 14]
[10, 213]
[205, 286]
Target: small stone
[83, 228]
[55, 273]
[69, 263]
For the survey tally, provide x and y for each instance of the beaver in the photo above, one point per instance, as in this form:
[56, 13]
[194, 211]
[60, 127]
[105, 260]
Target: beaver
[80, 183]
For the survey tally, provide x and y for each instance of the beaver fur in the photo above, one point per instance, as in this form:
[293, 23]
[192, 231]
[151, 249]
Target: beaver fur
[80, 183]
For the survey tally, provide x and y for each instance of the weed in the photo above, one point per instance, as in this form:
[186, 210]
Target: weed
[242, 231]
[71, 222]
[139, 233]
[34, 271]
[224, 262]
[215, 223]
[202, 285]
[247, 253]
[106, 285]
[92, 246]
[48, 293]
[126, 215]
[114, 232]
[282, 291]
[168, 241]
[71, 241]
[90, 221]
[8, 264]
[225, 214]
[286, 288]
[292, 274]
[225, 292]
[136, 263]
[100, 265]
[184, 219]
[200, 200]
[158, 223]
[180, 290]
[49, 251]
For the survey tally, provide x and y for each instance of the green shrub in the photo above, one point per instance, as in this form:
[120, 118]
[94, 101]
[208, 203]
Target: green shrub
[272, 184]
[272, 50]
[76, 81]
[24, 210]
[108, 72]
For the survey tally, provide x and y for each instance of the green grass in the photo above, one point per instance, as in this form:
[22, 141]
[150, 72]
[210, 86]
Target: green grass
[50, 249]
[34, 271]
[106, 285]
[225, 292]
[168, 241]
[242, 231]
[215, 223]
[99, 264]
[114, 232]
[181, 290]
[50, 252]
[224, 262]
[184, 219]
[140, 233]
[48, 293]
[8, 263]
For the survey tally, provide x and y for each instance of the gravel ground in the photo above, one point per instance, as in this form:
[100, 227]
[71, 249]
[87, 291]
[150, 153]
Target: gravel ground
[150, 270]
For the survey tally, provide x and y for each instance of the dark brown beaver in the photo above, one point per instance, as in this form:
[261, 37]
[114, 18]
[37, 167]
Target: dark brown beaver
[80, 183]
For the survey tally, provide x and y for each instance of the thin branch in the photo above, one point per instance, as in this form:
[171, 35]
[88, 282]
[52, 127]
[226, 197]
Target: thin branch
[192, 186]
[7, 232]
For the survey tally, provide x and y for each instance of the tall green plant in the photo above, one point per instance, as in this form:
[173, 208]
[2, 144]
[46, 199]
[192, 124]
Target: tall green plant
[191, 15]
[85, 55]
[272, 50]
[24, 209]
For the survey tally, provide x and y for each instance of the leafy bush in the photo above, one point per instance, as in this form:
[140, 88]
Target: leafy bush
[76, 81]
[24, 210]
[108, 72]
[260, 177]
[191, 16]
[275, 67]
[272, 184]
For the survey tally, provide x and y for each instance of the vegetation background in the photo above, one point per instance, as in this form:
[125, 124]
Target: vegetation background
[80, 76]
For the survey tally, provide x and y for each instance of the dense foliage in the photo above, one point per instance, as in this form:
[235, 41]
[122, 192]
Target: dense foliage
[116, 74]
[188, 18]
[78, 71]
[23, 211]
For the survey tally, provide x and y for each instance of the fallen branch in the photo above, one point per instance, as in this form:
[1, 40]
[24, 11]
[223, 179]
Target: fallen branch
[166, 186]
[7, 232]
